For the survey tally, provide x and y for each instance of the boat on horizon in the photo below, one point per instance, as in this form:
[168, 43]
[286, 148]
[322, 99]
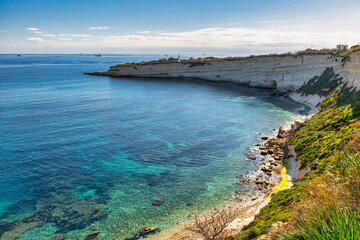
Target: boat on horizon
[97, 55]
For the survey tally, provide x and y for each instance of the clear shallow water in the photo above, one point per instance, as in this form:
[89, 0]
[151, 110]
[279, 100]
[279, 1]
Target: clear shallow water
[84, 153]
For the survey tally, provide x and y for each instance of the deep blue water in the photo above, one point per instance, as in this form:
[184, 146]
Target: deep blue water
[83, 153]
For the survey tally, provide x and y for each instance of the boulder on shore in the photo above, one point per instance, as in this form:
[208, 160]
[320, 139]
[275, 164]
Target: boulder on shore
[259, 182]
[282, 133]
[241, 180]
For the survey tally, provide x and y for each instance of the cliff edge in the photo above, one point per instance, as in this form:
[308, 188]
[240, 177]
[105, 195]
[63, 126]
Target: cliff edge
[283, 73]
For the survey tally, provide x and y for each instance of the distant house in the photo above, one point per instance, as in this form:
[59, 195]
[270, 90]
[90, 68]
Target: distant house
[342, 48]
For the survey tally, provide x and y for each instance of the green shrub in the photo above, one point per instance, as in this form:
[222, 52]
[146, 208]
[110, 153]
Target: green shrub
[330, 223]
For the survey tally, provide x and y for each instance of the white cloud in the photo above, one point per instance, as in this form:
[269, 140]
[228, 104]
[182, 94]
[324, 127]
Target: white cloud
[32, 29]
[75, 35]
[48, 35]
[98, 28]
[143, 32]
[250, 40]
[268, 36]
[232, 37]
[64, 39]
[35, 39]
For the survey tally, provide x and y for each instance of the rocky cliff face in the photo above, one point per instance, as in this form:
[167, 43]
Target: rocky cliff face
[350, 71]
[277, 72]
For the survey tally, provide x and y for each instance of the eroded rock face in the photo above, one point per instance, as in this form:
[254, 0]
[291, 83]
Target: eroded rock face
[67, 212]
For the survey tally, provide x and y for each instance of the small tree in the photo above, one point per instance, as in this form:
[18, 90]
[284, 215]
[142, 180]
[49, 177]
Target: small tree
[212, 227]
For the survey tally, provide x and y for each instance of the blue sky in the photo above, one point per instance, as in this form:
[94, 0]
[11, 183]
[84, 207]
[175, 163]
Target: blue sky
[174, 26]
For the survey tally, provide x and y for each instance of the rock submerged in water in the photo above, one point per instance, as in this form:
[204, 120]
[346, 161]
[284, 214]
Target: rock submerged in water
[142, 234]
[146, 230]
[59, 207]
[92, 235]
[58, 237]
[189, 204]
[158, 202]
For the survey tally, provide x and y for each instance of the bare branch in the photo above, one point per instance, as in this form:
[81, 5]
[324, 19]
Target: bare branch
[212, 227]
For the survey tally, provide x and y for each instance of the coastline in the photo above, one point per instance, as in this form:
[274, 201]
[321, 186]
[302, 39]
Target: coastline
[245, 211]
[306, 89]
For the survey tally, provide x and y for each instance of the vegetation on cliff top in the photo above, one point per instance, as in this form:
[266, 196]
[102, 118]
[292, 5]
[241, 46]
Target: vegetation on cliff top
[208, 60]
[325, 199]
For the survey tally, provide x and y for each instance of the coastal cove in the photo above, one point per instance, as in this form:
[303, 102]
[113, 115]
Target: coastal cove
[326, 82]
[92, 153]
[180, 120]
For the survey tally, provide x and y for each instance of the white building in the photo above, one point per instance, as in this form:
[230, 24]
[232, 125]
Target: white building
[342, 48]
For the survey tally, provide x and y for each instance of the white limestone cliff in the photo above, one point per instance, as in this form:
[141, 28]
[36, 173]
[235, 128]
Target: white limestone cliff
[284, 73]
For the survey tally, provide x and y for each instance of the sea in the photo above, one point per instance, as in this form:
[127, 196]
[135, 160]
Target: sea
[80, 153]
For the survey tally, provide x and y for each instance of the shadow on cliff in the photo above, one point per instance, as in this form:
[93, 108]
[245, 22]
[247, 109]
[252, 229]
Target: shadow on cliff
[238, 90]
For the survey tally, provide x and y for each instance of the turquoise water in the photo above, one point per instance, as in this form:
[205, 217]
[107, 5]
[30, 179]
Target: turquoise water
[86, 153]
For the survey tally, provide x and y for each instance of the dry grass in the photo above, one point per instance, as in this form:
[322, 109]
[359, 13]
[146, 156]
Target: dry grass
[331, 208]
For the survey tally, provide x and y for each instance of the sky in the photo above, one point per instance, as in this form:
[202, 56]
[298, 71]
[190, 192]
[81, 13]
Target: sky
[234, 27]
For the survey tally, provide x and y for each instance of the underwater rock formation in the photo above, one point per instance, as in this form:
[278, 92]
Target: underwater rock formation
[63, 209]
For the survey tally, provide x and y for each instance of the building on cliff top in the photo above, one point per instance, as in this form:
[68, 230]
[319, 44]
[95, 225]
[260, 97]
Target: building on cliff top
[342, 48]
